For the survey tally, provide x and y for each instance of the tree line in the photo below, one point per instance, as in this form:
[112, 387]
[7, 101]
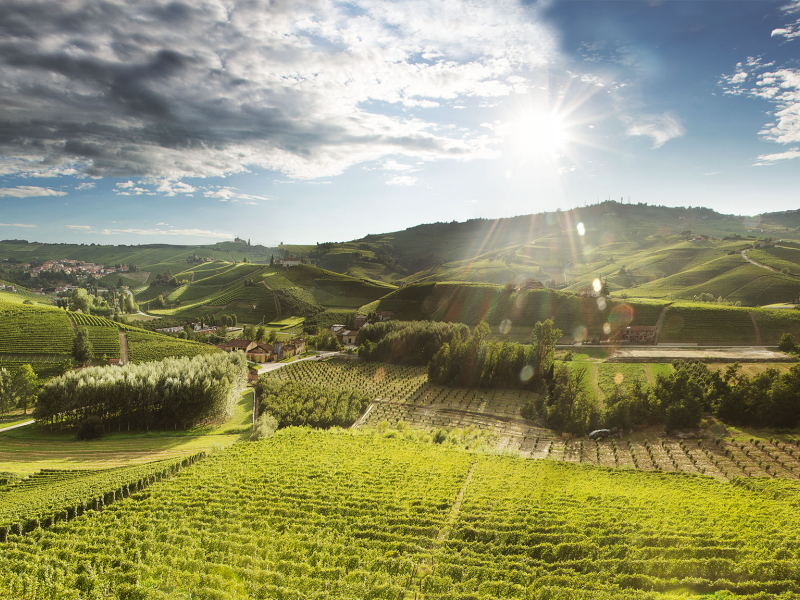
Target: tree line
[175, 392]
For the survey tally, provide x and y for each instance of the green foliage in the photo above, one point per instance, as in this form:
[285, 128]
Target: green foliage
[146, 346]
[184, 391]
[567, 407]
[787, 343]
[91, 428]
[82, 349]
[24, 386]
[294, 403]
[406, 342]
[363, 516]
[56, 495]
[34, 330]
[266, 426]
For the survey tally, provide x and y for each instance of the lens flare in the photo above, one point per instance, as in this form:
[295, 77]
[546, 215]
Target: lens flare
[597, 286]
[601, 303]
[505, 326]
[581, 229]
[606, 328]
[580, 333]
[526, 373]
[619, 378]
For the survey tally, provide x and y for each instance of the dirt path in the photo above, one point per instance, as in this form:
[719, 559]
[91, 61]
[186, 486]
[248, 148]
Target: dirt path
[649, 374]
[71, 322]
[123, 348]
[757, 328]
[659, 323]
[758, 264]
[274, 297]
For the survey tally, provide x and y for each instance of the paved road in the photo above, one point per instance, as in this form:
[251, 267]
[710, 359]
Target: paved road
[17, 425]
[266, 368]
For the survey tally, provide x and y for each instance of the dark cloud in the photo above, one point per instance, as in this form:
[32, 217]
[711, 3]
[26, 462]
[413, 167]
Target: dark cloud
[174, 89]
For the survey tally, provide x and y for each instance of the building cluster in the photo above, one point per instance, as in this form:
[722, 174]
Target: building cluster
[71, 266]
[198, 327]
[347, 336]
[8, 288]
[262, 352]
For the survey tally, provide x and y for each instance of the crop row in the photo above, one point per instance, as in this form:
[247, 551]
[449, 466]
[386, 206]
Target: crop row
[91, 320]
[300, 515]
[145, 346]
[105, 341]
[32, 330]
[334, 515]
[57, 495]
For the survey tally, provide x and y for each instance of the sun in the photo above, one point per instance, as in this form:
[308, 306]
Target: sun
[540, 134]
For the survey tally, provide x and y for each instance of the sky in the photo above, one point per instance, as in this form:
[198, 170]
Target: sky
[311, 121]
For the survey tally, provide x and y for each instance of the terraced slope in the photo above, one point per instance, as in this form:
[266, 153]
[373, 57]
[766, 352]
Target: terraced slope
[314, 514]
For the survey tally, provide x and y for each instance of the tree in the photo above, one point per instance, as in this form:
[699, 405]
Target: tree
[129, 305]
[260, 333]
[543, 347]
[82, 350]
[271, 260]
[26, 385]
[79, 301]
[5, 391]
[120, 283]
[787, 343]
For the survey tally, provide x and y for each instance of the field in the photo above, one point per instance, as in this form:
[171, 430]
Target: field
[34, 330]
[313, 514]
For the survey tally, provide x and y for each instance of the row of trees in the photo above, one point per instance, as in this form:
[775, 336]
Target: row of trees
[678, 399]
[175, 392]
[407, 342]
[477, 361]
[18, 388]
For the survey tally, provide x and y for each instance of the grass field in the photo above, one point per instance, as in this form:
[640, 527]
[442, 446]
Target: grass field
[314, 514]
[30, 449]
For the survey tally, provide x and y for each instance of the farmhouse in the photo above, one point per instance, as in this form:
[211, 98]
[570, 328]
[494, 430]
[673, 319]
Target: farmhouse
[261, 353]
[287, 262]
[347, 337]
[384, 315]
[531, 284]
[237, 346]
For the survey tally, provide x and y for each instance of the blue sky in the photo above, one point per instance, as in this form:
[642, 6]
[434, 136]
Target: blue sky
[314, 121]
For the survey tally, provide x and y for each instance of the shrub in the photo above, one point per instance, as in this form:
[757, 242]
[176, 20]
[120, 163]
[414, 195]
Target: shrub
[90, 428]
[266, 425]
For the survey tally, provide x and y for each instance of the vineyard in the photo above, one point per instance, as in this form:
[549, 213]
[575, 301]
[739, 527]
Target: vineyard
[34, 330]
[51, 495]
[105, 341]
[145, 346]
[81, 319]
[332, 515]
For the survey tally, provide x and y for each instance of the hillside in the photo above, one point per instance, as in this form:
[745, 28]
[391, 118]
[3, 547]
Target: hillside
[43, 336]
[314, 514]
[259, 293]
[646, 251]
[586, 318]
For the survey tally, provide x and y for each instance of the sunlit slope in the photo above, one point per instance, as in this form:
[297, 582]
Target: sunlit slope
[669, 253]
[319, 515]
[43, 337]
[587, 318]
[256, 293]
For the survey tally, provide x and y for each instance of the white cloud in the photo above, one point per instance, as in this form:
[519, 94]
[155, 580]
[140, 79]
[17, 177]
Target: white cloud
[29, 191]
[174, 90]
[402, 180]
[226, 194]
[83, 227]
[170, 232]
[393, 165]
[172, 188]
[768, 159]
[660, 128]
[89, 185]
[16, 225]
